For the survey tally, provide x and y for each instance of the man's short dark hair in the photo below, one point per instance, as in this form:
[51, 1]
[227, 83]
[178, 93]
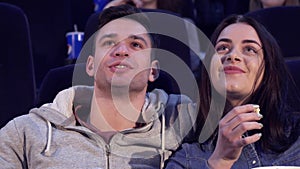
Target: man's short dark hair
[129, 12]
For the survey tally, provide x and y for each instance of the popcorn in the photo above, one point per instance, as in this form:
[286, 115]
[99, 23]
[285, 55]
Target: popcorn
[256, 108]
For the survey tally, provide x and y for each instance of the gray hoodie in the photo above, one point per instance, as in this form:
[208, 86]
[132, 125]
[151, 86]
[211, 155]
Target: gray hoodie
[48, 137]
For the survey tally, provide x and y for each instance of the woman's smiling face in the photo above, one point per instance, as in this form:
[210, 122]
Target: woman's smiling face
[235, 67]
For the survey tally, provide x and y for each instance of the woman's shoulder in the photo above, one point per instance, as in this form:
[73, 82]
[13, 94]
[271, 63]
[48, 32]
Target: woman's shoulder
[291, 156]
[293, 123]
[189, 155]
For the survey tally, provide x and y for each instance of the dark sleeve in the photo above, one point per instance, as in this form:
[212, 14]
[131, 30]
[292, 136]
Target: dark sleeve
[177, 160]
[188, 156]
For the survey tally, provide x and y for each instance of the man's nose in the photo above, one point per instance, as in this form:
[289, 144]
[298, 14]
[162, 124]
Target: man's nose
[121, 50]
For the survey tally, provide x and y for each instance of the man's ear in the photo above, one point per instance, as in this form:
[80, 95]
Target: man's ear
[154, 72]
[89, 68]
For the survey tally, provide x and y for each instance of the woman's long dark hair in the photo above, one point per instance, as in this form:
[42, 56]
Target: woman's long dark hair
[275, 95]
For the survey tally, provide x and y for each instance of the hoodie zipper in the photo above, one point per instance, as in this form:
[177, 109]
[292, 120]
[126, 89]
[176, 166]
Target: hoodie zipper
[107, 149]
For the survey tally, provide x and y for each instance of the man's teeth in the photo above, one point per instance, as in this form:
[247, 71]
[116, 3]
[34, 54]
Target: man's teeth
[120, 66]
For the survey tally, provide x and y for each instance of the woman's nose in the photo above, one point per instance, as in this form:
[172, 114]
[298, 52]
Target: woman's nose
[233, 56]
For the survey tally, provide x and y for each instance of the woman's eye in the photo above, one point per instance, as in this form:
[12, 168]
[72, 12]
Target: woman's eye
[222, 49]
[250, 51]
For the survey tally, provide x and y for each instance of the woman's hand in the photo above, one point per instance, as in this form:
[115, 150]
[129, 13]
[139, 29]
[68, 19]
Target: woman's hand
[137, 3]
[230, 137]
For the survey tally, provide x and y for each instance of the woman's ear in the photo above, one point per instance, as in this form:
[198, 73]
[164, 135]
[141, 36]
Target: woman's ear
[154, 72]
[90, 66]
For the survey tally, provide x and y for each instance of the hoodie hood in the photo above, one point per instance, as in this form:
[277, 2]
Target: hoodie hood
[62, 107]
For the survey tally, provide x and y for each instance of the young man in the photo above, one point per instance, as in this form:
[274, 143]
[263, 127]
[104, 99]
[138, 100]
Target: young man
[114, 124]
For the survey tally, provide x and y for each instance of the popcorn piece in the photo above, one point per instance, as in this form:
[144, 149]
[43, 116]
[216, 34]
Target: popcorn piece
[256, 108]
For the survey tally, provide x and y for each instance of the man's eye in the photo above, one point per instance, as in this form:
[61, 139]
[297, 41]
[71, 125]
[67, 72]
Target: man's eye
[108, 43]
[137, 45]
[221, 48]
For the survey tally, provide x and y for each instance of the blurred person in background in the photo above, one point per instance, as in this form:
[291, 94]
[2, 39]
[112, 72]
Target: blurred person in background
[209, 13]
[181, 7]
[261, 4]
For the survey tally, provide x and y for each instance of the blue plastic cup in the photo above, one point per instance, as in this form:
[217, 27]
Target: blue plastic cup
[74, 40]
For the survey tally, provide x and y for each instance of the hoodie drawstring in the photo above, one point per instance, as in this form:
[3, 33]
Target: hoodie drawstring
[163, 137]
[49, 138]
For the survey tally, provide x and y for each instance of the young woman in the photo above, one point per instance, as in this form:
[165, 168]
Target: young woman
[246, 70]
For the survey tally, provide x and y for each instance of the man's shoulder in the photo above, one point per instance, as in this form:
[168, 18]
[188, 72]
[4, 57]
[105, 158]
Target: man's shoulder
[171, 98]
[179, 99]
[24, 122]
